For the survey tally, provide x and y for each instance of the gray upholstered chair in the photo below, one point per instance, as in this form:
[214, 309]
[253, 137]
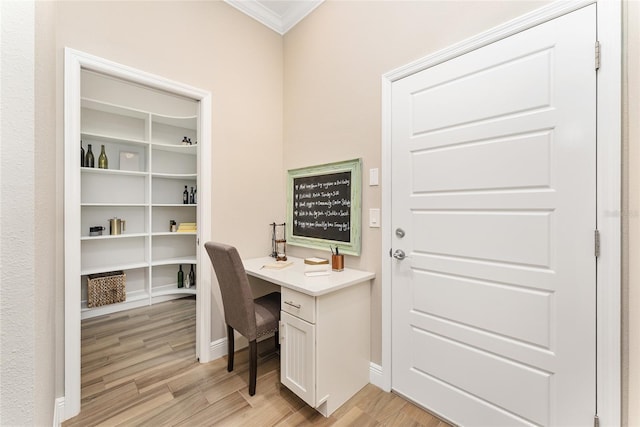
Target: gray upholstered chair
[251, 317]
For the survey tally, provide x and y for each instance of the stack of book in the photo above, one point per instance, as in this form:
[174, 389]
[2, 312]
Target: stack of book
[316, 266]
[187, 227]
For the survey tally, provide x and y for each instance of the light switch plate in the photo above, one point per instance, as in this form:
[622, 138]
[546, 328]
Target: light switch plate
[373, 177]
[374, 217]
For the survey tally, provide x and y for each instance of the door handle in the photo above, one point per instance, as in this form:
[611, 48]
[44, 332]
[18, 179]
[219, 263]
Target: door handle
[399, 254]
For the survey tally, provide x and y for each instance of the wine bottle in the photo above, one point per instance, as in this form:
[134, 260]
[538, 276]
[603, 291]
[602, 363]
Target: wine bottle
[180, 277]
[81, 155]
[192, 277]
[185, 196]
[89, 161]
[195, 196]
[191, 199]
[103, 162]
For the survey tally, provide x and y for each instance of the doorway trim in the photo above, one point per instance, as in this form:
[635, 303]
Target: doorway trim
[608, 187]
[75, 61]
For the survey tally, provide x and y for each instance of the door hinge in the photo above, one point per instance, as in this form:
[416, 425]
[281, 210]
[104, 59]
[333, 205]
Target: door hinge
[596, 421]
[596, 243]
[597, 55]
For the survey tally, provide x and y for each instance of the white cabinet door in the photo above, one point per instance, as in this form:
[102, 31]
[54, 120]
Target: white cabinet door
[298, 357]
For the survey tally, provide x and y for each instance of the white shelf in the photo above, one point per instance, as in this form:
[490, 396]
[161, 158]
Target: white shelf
[174, 205]
[114, 205]
[112, 172]
[187, 122]
[117, 236]
[116, 267]
[112, 139]
[172, 289]
[108, 107]
[174, 233]
[176, 261]
[174, 175]
[132, 298]
[185, 149]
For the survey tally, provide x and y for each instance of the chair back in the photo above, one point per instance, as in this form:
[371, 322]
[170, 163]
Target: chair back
[237, 297]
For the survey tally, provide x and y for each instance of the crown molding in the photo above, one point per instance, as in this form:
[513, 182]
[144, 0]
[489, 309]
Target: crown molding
[280, 23]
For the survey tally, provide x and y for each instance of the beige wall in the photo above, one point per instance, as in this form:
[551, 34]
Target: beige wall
[48, 297]
[211, 46]
[333, 63]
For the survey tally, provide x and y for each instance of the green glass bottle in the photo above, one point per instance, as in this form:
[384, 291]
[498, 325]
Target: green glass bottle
[192, 277]
[103, 162]
[88, 160]
[180, 277]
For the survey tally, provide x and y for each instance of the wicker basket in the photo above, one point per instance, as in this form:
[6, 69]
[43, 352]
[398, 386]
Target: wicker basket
[106, 288]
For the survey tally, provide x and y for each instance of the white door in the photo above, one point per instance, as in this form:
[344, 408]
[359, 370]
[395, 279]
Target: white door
[494, 185]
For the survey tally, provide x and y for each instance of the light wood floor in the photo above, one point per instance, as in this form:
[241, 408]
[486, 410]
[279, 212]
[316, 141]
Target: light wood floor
[139, 368]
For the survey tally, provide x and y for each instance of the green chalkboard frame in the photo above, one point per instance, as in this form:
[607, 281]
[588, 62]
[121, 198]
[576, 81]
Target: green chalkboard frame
[353, 247]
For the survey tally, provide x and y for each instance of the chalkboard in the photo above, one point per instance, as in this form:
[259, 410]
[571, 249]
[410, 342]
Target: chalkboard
[324, 206]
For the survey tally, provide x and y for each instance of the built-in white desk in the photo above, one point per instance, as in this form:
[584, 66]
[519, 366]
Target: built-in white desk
[324, 331]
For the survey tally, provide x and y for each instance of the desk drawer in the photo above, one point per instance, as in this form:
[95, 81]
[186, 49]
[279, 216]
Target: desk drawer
[299, 305]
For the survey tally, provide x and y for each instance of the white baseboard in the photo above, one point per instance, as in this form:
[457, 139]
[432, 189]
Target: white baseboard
[218, 349]
[375, 375]
[58, 412]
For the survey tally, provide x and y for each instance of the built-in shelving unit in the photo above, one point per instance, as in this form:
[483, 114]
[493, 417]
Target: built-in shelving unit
[148, 170]
[132, 111]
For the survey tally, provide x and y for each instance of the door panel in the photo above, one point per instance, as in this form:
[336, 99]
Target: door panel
[493, 172]
[298, 356]
[517, 161]
[505, 236]
[470, 302]
[515, 86]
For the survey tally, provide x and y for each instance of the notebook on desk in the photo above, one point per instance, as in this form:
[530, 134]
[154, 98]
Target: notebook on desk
[277, 265]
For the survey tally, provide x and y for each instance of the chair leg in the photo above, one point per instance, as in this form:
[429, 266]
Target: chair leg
[253, 366]
[230, 348]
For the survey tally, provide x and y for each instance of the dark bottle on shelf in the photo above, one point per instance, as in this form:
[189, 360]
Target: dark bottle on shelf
[195, 196]
[103, 162]
[81, 155]
[89, 161]
[192, 277]
[180, 277]
[191, 197]
[185, 196]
